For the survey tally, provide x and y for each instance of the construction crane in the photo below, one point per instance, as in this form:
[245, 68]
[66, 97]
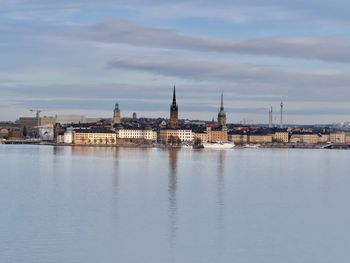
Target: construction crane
[37, 112]
[37, 115]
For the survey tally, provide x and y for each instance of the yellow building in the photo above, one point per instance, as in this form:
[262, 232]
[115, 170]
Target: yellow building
[166, 136]
[238, 138]
[296, 138]
[87, 137]
[202, 136]
[260, 138]
[323, 138]
[217, 135]
[337, 137]
[310, 138]
[347, 138]
[281, 137]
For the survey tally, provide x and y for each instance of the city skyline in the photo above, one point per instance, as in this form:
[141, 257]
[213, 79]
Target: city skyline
[78, 58]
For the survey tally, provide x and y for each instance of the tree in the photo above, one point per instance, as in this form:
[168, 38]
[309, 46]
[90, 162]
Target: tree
[197, 141]
[25, 131]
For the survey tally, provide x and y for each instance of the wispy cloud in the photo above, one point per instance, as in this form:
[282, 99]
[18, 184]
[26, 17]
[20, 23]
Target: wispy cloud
[121, 31]
[252, 79]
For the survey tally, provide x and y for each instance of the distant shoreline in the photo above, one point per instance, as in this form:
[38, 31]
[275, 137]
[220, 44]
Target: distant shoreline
[256, 146]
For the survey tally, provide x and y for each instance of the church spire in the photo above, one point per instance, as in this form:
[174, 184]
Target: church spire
[222, 113]
[222, 100]
[174, 97]
[174, 113]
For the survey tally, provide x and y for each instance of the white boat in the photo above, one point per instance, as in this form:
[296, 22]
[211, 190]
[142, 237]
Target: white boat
[251, 146]
[219, 145]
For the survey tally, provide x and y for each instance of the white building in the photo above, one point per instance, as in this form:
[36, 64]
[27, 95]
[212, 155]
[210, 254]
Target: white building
[145, 134]
[68, 136]
[45, 132]
[185, 135]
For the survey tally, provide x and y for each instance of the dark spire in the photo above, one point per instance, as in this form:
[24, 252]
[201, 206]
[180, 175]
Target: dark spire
[174, 97]
[222, 101]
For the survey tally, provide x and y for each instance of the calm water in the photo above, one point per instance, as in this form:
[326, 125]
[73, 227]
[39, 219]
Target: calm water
[152, 205]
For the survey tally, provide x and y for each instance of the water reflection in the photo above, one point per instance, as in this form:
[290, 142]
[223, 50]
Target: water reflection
[220, 185]
[172, 188]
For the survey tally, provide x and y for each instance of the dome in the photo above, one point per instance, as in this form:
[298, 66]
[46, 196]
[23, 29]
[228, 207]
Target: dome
[222, 114]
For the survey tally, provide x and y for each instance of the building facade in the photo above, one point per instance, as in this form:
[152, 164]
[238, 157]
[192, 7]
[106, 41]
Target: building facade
[173, 136]
[145, 134]
[86, 137]
[261, 138]
[281, 137]
[338, 137]
[68, 136]
[217, 134]
[238, 138]
[202, 136]
[185, 135]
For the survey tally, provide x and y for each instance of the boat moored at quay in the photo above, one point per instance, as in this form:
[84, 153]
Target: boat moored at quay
[219, 145]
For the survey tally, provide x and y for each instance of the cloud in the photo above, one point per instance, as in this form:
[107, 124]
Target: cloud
[247, 79]
[121, 31]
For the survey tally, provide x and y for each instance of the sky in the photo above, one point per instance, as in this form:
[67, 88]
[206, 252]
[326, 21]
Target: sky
[80, 57]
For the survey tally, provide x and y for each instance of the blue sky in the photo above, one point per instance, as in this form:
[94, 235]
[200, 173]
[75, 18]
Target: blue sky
[81, 56]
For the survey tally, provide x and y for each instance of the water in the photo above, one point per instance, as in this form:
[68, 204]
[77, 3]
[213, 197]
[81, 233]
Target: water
[63, 204]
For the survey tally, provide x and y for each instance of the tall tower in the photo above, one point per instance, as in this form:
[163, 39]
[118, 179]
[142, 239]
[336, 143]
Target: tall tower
[116, 114]
[270, 117]
[174, 113]
[282, 105]
[222, 113]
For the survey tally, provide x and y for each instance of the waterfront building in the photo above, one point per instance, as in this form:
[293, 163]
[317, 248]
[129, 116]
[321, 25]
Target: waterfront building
[281, 137]
[87, 137]
[338, 137]
[238, 138]
[4, 133]
[310, 138]
[217, 134]
[296, 138]
[167, 135]
[145, 134]
[260, 138]
[323, 138]
[45, 132]
[185, 135]
[222, 113]
[174, 113]
[180, 135]
[347, 138]
[59, 139]
[116, 114]
[202, 136]
[10, 130]
[68, 136]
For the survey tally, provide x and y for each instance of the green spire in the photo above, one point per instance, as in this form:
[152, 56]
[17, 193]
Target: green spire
[222, 113]
[222, 101]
